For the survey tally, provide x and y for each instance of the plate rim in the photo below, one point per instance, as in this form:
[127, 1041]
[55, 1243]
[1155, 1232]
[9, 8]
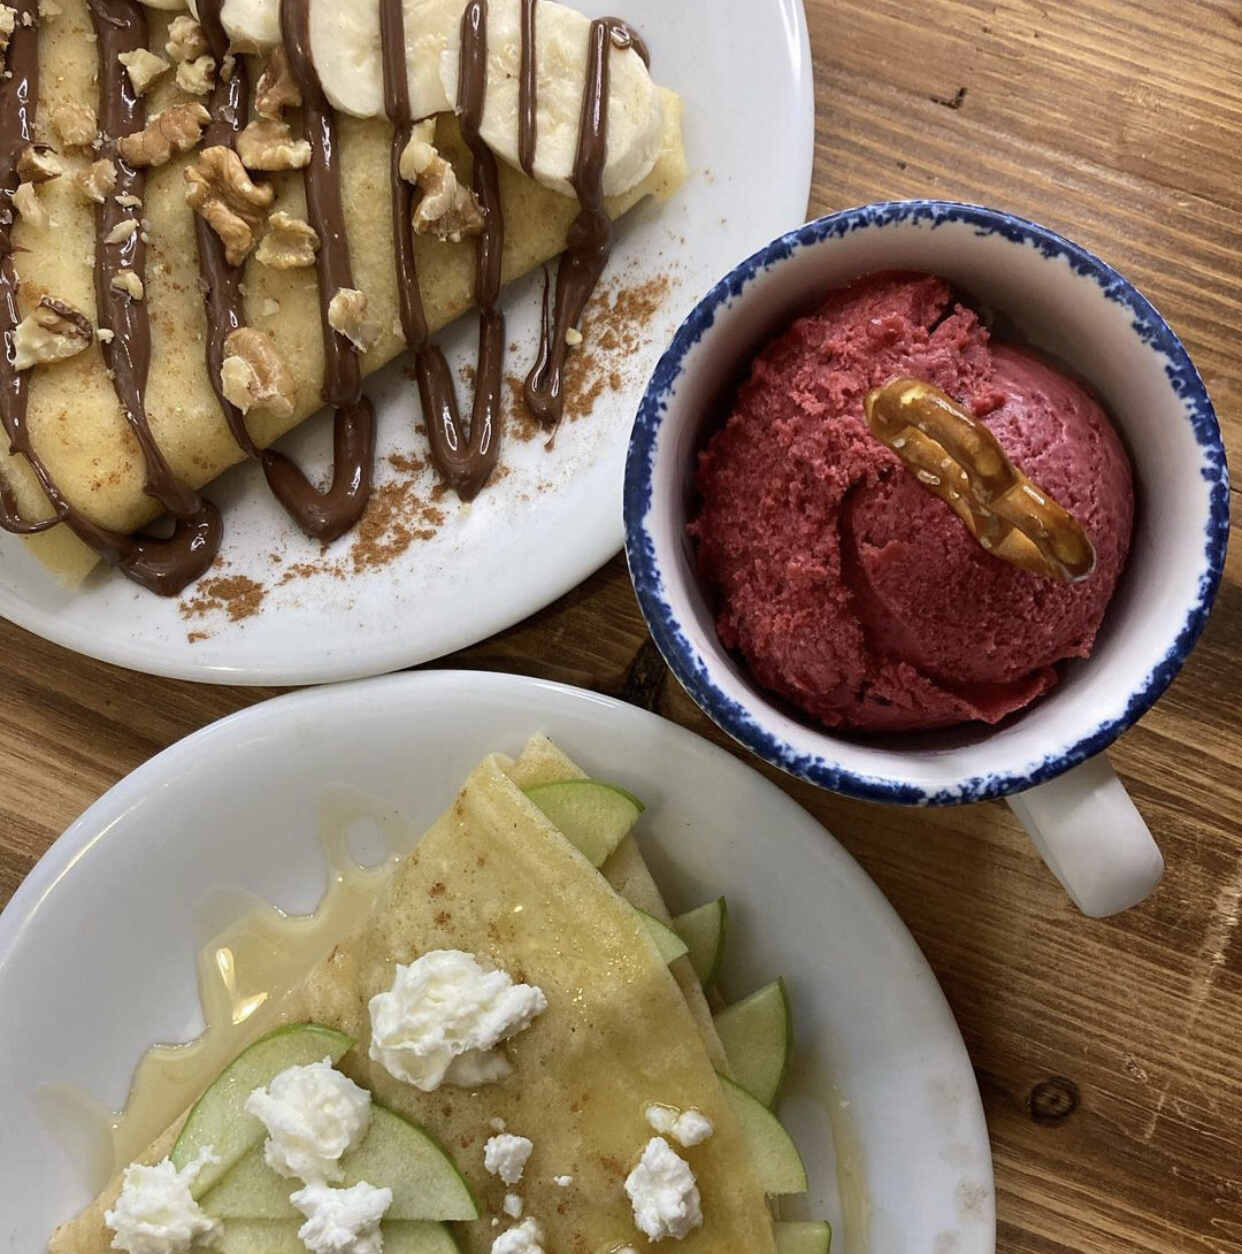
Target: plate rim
[605, 541]
[282, 715]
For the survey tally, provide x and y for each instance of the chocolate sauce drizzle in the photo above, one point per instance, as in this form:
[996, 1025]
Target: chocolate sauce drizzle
[163, 565]
[528, 122]
[464, 460]
[590, 236]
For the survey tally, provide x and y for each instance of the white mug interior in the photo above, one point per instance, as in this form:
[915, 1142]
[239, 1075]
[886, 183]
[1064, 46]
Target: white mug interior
[1061, 301]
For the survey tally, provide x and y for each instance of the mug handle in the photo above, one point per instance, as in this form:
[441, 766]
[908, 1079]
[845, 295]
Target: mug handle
[1092, 837]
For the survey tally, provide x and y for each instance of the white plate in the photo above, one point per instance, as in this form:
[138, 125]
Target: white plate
[97, 948]
[556, 516]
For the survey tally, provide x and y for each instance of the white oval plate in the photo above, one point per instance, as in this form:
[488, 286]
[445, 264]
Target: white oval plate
[556, 516]
[97, 948]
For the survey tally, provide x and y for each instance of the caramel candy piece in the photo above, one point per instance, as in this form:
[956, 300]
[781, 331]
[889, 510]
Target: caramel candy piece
[957, 458]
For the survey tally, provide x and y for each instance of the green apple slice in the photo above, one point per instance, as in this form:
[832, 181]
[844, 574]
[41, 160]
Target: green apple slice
[394, 1154]
[217, 1118]
[773, 1155]
[757, 1036]
[814, 1237]
[670, 945]
[704, 930]
[592, 815]
[280, 1236]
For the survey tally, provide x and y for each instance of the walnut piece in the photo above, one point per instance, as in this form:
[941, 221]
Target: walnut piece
[219, 189]
[198, 76]
[30, 206]
[38, 164]
[177, 129]
[8, 22]
[289, 243]
[75, 124]
[347, 315]
[97, 180]
[143, 67]
[252, 375]
[52, 331]
[186, 40]
[123, 230]
[129, 283]
[445, 209]
[269, 145]
[276, 90]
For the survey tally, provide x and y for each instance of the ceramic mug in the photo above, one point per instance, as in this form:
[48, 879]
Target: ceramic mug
[1046, 760]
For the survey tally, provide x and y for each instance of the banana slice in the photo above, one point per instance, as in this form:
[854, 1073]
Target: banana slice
[345, 50]
[251, 25]
[635, 113]
[430, 26]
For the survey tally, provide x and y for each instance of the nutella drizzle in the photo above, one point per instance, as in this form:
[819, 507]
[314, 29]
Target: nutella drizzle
[590, 236]
[163, 565]
[328, 514]
[464, 461]
[528, 122]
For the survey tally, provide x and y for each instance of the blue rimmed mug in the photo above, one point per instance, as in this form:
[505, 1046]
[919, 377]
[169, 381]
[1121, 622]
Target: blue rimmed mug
[1047, 760]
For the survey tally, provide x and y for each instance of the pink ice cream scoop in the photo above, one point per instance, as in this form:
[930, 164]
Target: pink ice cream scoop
[848, 587]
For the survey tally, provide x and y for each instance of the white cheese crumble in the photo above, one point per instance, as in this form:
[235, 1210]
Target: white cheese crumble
[505, 1156]
[663, 1194]
[526, 1238]
[313, 1115]
[562, 1182]
[444, 1015]
[342, 1221]
[155, 1213]
[512, 1206]
[686, 1127]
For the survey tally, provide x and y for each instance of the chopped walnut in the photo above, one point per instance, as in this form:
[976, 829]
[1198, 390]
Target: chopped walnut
[38, 164]
[123, 230]
[128, 201]
[445, 209]
[186, 40]
[227, 66]
[198, 76]
[234, 207]
[75, 124]
[269, 145]
[573, 337]
[289, 243]
[30, 206]
[252, 375]
[276, 90]
[8, 22]
[347, 315]
[129, 283]
[143, 67]
[177, 129]
[97, 180]
[52, 331]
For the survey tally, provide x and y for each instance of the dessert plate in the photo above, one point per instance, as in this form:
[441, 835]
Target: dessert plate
[430, 576]
[98, 945]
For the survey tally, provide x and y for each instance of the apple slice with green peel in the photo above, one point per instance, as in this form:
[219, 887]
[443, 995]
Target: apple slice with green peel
[757, 1035]
[593, 816]
[217, 1118]
[704, 931]
[280, 1236]
[394, 1154]
[670, 945]
[814, 1237]
[773, 1155]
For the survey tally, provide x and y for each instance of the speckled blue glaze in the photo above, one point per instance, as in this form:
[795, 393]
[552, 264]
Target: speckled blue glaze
[694, 671]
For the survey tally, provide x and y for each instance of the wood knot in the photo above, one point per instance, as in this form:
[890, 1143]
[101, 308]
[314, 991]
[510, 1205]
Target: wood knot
[1053, 1100]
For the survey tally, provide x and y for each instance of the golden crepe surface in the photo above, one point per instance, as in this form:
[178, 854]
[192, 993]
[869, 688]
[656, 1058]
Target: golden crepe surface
[75, 421]
[494, 877]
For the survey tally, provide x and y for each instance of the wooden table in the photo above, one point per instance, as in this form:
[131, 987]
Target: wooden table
[1109, 1053]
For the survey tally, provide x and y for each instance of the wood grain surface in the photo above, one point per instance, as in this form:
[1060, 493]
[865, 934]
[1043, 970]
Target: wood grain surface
[1109, 1052]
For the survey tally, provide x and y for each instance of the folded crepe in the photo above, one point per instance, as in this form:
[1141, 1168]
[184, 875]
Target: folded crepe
[75, 421]
[622, 1029]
